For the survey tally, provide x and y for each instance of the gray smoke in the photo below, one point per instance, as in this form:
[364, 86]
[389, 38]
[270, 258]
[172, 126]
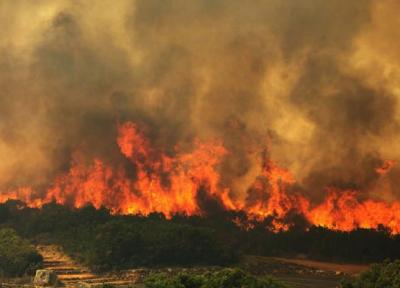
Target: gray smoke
[304, 78]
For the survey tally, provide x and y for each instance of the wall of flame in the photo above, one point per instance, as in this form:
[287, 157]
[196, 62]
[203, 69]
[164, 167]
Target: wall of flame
[267, 106]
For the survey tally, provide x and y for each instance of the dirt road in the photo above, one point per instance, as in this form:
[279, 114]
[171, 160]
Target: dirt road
[301, 273]
[327, 266]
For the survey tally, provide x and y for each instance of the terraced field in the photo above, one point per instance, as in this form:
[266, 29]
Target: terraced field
[296, 273]
[73, 275]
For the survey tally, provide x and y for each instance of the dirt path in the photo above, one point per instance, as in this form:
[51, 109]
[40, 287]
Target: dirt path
[327, 266]
[73, 275]
[301, 273]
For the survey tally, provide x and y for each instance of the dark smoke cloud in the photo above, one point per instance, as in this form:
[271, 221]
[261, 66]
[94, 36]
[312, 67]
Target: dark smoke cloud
[304, 78]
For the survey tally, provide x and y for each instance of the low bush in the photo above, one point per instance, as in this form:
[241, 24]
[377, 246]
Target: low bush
[385, 275]
[227, 278]
[17, 256]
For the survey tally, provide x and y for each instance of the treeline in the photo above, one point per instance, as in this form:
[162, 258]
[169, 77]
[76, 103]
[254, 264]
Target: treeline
[105, 241]
[358, 246]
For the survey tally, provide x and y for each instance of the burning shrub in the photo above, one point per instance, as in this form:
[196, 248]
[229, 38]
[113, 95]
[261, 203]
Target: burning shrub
[16, 255]
[227, 278]
[383, 275]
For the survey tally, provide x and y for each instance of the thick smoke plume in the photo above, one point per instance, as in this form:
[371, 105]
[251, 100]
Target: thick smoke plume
[314, 84]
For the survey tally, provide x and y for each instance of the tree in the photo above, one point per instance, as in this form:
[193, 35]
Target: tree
[17, 256]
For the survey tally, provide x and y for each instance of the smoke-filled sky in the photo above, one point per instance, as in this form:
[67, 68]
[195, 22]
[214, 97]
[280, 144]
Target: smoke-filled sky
[315, 82]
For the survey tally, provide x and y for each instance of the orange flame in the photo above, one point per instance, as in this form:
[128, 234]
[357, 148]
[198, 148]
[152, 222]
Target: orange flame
[171, 184]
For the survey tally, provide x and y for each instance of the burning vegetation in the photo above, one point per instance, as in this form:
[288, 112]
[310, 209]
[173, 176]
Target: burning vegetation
[152, 181]
[278, 110]
[145, 133]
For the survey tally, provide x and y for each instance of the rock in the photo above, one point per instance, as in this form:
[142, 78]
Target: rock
[45, 278]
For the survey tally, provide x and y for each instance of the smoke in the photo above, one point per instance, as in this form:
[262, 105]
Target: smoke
[315, 82]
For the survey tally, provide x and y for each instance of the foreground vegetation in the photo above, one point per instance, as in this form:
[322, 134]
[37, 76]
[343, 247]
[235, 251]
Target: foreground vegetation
[17, 256]
[227, 278]
[104, 241]
[385, 275]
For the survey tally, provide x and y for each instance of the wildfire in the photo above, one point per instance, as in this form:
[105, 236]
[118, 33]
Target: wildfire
[172, 184]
